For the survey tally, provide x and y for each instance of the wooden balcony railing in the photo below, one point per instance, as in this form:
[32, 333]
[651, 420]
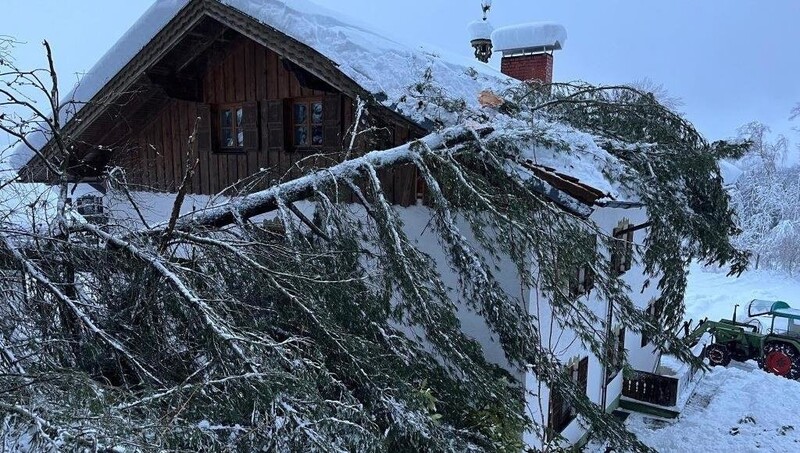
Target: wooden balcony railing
[651, 388]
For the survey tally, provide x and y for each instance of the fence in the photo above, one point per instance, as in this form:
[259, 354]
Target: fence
[651, 388]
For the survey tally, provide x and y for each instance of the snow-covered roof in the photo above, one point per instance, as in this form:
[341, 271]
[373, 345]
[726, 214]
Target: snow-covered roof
[383, 66]
[730, 172]
[529, 37]
[112, 62]
[388, 68]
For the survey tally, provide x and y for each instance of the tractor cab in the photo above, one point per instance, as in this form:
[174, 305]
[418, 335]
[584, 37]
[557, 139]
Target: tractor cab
[785, 320]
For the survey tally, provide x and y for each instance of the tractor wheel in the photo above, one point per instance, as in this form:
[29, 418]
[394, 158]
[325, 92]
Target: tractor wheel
[718, 354]
[781, 359]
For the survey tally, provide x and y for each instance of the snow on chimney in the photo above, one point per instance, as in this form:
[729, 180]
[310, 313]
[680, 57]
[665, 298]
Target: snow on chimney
[528, 50]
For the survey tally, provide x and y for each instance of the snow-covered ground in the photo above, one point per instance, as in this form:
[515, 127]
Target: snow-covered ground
[712, 294]
[734, 409]
[739, 408]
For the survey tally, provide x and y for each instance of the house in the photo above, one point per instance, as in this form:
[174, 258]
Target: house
[265, 87]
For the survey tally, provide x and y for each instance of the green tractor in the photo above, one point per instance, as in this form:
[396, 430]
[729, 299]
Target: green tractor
[776, 349]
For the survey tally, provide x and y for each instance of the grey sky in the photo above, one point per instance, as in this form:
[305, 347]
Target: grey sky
[730, 61]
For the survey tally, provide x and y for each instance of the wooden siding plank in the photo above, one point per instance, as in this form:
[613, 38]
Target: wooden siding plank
[219, 83]
[165, 133]
[404, 176]
[134, 172]
[203, 167]
[241, 161]
[179, 144]
[272, 75]
[208, 87]
[233, 169]
[149, 158]
[239, 73]
[250, 71]
[252, 167]
[213, 173]
[147, 140]
[284, 89]
[260, 56]
[128, 163]
[295, 90]
[222, 172]
[229, 79]
[167, 150]
[177, 151]
[191, 120]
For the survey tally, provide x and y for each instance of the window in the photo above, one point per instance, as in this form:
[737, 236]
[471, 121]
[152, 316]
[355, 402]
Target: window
[615, 354]
[228, 128]
[622, 249]
[91, 207]
[581, 278]
[231, 129]
[307, 123]
[578, 274]
[653, 311]
[561, 413]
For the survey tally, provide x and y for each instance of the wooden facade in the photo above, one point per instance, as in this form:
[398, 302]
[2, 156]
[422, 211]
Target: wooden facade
[206, 58]
[251, 75]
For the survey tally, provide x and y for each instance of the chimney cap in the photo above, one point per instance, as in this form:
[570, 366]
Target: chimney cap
[529, 38]
[480, 29]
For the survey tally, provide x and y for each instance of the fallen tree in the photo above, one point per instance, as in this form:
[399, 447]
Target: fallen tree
[333, 331]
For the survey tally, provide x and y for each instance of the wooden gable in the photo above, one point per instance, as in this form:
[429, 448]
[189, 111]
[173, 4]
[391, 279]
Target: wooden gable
[209, 57]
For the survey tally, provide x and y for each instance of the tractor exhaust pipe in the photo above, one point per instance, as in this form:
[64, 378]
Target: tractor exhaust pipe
[734, 312]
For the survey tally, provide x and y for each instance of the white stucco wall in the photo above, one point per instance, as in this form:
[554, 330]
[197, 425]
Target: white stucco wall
[566, 346]
[640, 358]
[417, 220]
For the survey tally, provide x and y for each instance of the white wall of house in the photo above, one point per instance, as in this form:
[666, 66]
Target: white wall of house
[643, 287]
[417, 222]
[417, 225]
[565, 344]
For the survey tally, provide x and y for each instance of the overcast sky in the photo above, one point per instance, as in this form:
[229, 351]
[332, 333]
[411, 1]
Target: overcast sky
[730, 61]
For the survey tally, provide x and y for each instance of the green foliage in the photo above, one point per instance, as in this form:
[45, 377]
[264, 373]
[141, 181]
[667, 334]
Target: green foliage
[345, 337]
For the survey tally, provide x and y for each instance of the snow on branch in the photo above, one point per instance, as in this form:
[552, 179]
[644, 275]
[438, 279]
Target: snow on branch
[301, 188]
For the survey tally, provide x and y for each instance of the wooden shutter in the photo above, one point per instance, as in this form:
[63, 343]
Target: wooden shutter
[332, 123]
[617, 252]
[555, 416]
[588, 279]
[583, 374]
[204, 128]
[588, 271]
[272, 125]
[629, 251]
[250, 126]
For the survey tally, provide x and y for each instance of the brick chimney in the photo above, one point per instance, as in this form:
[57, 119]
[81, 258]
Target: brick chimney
[528, 50]
[534, 67]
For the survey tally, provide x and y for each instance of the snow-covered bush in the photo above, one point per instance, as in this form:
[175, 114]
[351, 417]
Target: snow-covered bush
[765, 199]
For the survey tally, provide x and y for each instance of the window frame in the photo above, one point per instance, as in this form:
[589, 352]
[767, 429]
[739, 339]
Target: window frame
[653, 309]
[560, 414]
[308, 101]
[237, 130]
[615, 354]
[581, 279]
[622, 248]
